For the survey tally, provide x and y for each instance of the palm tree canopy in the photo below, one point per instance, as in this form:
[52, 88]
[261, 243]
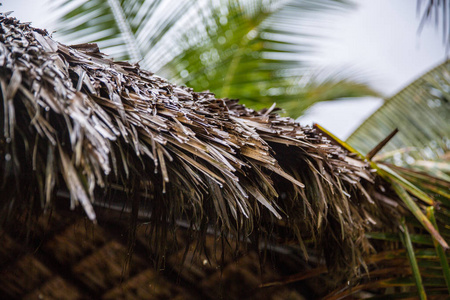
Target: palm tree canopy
[254, 50]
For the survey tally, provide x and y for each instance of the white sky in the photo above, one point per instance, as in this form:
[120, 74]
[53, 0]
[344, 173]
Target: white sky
[378, 39]
[381, 37]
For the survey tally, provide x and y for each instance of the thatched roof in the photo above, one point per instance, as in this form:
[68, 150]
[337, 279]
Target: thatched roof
[80, 128]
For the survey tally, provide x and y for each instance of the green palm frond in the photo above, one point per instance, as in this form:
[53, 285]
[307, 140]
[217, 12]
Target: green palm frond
[418, 269]
[418, 156]
[127, 30]
[410, 272]
[258, 55]
[421, 112]
[439, 250]
[254, 50]
[323, 85]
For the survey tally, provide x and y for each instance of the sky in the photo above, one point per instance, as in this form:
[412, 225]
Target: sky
[378, 40]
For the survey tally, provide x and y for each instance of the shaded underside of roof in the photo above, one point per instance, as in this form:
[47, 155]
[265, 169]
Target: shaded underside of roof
[65, 256]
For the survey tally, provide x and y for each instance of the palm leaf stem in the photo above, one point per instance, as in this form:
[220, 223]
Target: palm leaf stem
[439, 250]
[412, 260]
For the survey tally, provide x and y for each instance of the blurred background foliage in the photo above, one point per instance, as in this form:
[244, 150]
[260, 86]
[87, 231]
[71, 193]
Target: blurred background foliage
[421, 112]
[254, 50]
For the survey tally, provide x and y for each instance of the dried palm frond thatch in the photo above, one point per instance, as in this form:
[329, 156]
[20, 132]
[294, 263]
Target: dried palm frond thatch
[111, 134]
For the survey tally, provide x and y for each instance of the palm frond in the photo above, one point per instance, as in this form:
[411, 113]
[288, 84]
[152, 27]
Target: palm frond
[417, 162]
[406, 240]
[254, 50]
[407, 271]
[322, 85]
[420, 111]
[402, 187]
[259, 55]
[127, 30]
[437, 11]
[439, 250]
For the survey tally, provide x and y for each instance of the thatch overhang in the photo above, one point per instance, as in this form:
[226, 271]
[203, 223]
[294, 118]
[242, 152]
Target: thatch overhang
[81, 130]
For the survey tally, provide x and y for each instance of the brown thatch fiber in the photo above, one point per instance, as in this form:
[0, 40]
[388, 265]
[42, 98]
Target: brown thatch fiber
[113, 135]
